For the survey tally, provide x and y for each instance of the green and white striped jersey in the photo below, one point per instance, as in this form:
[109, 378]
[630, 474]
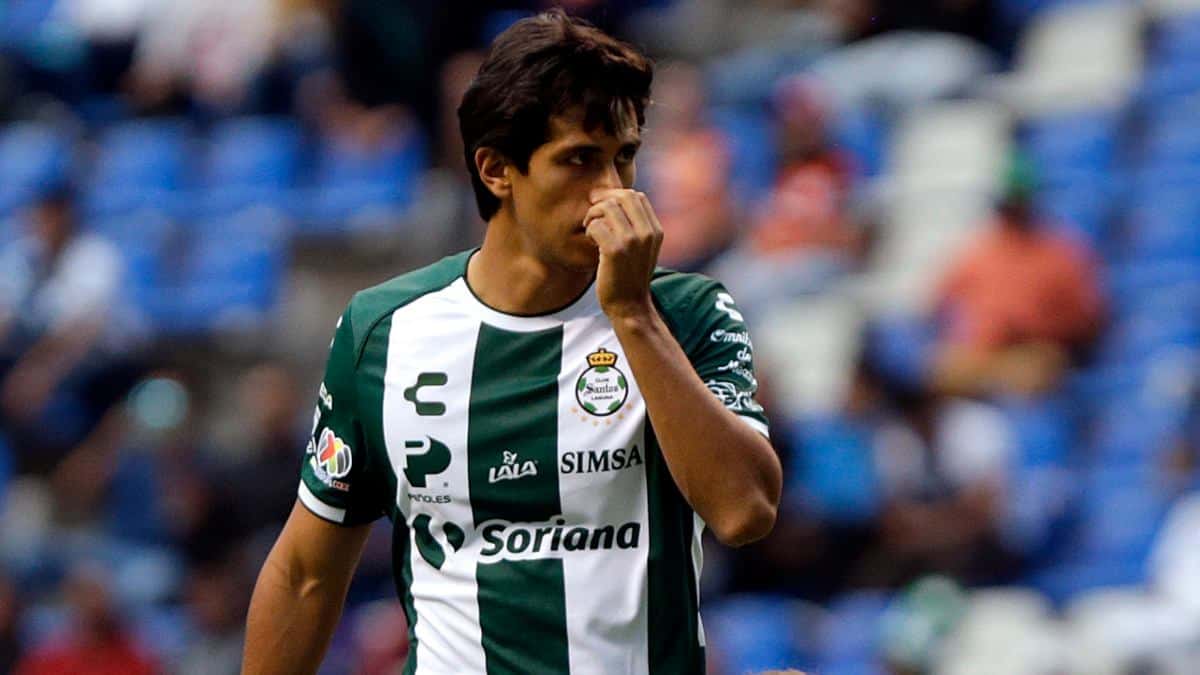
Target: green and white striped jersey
[537, 528]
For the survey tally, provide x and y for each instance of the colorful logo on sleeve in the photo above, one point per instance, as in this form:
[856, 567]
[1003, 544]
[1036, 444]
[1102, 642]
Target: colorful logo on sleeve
[602, 388]
[333, 456]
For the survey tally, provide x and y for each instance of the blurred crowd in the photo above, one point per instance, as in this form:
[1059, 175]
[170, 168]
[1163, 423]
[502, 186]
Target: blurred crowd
[964, 234]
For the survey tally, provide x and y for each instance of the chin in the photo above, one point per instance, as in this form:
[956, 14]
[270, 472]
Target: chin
[581, 258]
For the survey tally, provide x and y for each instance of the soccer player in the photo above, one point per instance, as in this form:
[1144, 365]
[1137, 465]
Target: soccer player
[549, 421]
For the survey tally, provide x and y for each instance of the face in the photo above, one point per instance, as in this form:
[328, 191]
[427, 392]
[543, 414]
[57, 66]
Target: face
[52, 224]
[550, 200]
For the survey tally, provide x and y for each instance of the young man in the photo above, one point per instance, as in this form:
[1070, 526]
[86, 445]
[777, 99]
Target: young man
[549, 421]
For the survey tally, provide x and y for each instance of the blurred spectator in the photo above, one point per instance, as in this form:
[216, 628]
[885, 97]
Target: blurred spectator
[806, 210]
[381, 639]
[217, 598]
[802, 235]
[1017, 304]
[10, 616]
[97, 642]
[687, 167]
[263, 482]
[943, 468]
[65, 345]
[179, 55]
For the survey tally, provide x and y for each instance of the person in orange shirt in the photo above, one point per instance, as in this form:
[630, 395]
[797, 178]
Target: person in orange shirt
[1016, 304]
[687, 167]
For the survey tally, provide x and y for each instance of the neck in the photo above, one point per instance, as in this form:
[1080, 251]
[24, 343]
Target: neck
[508, 275]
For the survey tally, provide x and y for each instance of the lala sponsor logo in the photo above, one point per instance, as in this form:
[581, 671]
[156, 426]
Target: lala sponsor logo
[512, 468]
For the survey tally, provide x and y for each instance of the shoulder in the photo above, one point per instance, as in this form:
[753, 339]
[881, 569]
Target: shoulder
[370, 306]
[689, 302]
[672, 289]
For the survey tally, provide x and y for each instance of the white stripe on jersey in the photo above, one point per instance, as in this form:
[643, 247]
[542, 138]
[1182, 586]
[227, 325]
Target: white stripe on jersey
[429, 335]
[604, 620]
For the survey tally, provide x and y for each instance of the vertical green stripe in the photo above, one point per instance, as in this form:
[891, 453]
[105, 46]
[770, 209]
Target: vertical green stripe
[514, 409]
[672, 597]
[371, 368]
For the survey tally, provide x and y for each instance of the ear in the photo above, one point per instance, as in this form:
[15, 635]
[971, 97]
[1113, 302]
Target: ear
[493, 171]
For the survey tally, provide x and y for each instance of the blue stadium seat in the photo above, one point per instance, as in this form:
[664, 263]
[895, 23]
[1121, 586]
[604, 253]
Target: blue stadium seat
[252, 161]
[234, 273]
[21, 21]
[32, 156]
[851, 632]
[1065, 148]
[359, 188]
[1172, 144]
[1176, 39]
[863, 135]
[1127, 430]
[1065, 581]
[1141, 334]
[139, 164]
[756, 633]
[834, 474]
[1166, 82]
[145, 238]
[749, 132]
[1084, 210]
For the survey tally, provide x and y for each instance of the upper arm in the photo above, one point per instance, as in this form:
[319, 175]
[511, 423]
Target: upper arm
[338, 482]
[310, 548]
[718, 345]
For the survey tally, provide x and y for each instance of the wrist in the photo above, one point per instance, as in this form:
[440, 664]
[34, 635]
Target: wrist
[633, 315]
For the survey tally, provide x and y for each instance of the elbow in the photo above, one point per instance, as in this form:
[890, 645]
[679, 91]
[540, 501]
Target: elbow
[752, 522]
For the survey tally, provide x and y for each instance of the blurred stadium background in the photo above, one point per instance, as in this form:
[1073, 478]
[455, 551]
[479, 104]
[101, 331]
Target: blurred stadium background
[966, 234]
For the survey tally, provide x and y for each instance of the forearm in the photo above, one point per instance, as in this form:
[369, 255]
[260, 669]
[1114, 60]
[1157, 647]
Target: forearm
[292, 618]
[290, 622]
[726, 470]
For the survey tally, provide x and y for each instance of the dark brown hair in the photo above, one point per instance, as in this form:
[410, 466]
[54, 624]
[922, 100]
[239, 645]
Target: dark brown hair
[541, 67]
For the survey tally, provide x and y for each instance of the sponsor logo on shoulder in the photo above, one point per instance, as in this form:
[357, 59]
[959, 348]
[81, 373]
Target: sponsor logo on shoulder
[331, 458]
[737, 400]
[730, 336]
[512, 468]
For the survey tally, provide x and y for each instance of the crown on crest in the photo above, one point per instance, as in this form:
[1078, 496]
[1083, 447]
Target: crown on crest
[602, 357]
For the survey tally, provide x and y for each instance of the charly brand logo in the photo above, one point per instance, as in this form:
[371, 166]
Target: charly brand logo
[602, 388]
[424, 458]
[512, 468]
[524, 541]
[426, 408]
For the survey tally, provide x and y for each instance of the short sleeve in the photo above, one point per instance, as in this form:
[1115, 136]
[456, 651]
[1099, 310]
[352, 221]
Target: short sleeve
[335, 481]
[721, 351]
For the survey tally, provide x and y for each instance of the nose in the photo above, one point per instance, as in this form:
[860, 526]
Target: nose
[609, 178]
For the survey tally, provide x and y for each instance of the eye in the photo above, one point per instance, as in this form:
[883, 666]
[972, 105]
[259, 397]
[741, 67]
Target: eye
[626, 155]
[576, 159]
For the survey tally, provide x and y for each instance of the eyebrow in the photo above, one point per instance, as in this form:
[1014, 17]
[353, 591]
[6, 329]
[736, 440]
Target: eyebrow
[594, 148]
